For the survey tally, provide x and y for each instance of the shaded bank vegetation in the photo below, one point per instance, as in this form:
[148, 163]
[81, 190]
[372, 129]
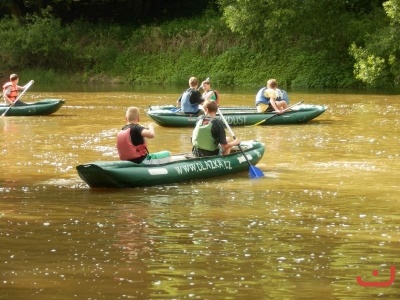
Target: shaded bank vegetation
[149, 54]
[313, 46]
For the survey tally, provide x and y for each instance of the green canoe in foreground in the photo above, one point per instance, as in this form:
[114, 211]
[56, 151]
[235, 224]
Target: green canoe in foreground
[171, 116]
[40, 108]
[125, 174]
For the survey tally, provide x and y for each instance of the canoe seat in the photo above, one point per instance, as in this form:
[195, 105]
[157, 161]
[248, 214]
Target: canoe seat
[157, 158]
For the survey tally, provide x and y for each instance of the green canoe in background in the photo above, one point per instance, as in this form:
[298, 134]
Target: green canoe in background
[171, 116]
[126, 174]
[40, 108]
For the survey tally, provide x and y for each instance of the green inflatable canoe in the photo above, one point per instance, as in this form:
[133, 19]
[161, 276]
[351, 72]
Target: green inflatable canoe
[40, 108]
[181, 167]
[171, 116]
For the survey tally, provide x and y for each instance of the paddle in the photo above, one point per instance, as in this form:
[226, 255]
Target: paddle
[265, 120]
[254, 172]
[27, 86]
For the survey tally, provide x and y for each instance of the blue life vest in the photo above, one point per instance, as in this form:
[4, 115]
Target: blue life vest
[186, 106]
[280, 95]
[260, 98]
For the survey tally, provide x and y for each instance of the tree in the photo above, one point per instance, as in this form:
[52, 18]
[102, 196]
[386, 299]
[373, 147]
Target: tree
[313, 37]
[313, 23]
[377, 62]
[300, 38]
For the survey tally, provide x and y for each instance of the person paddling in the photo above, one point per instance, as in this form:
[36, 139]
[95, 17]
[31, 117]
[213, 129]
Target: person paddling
[131, 143]
[10, 91]
[209, 137]
[190, 100]
[268, 99]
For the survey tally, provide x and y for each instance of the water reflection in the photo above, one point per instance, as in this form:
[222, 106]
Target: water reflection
[324, 214]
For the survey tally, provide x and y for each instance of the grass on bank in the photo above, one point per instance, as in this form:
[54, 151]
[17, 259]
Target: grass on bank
[169, 53]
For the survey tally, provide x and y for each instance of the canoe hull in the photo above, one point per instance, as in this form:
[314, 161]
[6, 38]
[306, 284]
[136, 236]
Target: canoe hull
[40, 108]
[168, 116]
[125, 174]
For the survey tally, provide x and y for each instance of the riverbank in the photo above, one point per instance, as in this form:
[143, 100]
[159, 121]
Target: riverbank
[162, 54]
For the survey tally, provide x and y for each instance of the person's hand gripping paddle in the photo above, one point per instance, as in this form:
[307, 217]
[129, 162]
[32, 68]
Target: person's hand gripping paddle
[254, 172]
[19, 96]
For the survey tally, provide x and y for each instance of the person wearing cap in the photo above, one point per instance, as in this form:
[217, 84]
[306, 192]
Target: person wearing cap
[191, 98]
[208, 94]
[10, 91]
[268, 99]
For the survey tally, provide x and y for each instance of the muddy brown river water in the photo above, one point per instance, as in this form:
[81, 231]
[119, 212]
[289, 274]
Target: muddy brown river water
[326, 212]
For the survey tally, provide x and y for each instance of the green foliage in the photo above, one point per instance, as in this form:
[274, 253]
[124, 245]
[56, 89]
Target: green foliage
[319, 34]
[9, 33]
[305, 44]
[263, 19]
[392, 9]
[315, 70]
[368, 67]
[377, 58]
[40, 42]
[44, 39]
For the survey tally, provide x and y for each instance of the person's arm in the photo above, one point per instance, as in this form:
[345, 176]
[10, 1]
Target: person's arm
[178, 102]
[272, 101]
[148, 132]
[271, 94]
[196, 98]
[230, 143]
[218, 133]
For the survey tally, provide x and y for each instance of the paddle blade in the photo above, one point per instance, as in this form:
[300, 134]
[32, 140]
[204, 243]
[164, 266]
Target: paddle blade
[255, 172]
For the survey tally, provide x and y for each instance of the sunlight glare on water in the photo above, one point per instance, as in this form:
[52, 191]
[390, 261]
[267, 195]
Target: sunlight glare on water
[325, 213]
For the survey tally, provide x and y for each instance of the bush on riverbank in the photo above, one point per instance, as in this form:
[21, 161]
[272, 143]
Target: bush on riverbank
[51, 52]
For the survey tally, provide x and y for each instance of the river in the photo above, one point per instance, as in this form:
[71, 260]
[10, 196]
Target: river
[325, 212]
